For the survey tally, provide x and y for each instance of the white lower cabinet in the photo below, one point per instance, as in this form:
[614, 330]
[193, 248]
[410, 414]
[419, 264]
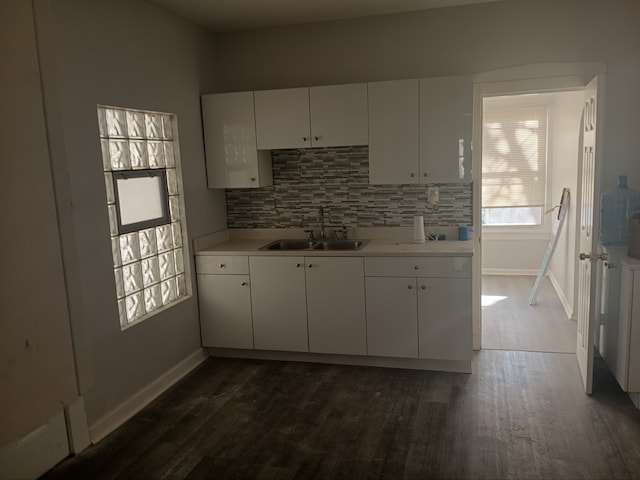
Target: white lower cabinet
[620, 330]
[336, 305]
[444, 318]
[401, 307]
[225, 311]
[224, 296]
[392, 317]
[419, 307]
[279, 304]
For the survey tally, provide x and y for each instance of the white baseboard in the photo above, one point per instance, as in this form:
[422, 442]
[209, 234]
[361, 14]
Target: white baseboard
[508, 271]
[568, 309]
[123, 412]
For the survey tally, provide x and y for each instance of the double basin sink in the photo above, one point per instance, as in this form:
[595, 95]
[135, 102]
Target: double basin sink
[303, 244]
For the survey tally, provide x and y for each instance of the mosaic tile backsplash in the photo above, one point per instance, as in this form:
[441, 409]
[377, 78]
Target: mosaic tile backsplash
[338, 180]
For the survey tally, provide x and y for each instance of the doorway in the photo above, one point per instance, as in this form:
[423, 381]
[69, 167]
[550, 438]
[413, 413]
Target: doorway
[530, 152]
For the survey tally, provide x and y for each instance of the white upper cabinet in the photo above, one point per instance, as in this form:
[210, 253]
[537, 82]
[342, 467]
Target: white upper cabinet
[282, 118]
[339, 115]
[328, 116]
[394, 136]
[446, 104]
[233, 160]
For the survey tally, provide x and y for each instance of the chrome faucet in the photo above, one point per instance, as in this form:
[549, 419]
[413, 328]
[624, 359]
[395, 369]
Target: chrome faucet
[323, 233]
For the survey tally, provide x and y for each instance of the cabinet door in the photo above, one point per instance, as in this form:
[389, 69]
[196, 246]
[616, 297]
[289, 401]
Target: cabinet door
[444, 318]
[282, 118]
[339, 115]
[446, 104]
[232, 157]
[336, 305]
[278, 298]
[634, 334]
[225, 311]
[394, 132]
[392, 317]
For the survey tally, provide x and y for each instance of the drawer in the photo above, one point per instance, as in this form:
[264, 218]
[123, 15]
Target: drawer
[223, 264]
[451, 267]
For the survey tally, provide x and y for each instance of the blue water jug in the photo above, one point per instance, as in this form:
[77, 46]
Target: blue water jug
[617, 206]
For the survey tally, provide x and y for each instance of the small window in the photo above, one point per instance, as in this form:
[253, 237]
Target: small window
[141, 199]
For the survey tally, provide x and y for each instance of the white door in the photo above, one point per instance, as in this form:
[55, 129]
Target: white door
[336, 305]
[279, 303]
[339, 115]
[282, 118]
[394, 133]
[590, 194]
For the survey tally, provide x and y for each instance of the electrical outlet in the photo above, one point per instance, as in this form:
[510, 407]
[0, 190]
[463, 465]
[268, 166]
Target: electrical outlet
[433, 195]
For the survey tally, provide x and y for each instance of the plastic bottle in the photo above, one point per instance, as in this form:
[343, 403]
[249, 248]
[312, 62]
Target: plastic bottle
[616, 208]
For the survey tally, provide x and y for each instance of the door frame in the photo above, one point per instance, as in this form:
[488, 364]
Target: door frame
[531, 78]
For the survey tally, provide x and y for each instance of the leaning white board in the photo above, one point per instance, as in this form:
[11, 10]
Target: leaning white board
[562, 213]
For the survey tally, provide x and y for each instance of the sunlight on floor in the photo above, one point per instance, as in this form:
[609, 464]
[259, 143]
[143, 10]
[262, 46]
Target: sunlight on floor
[488, 300]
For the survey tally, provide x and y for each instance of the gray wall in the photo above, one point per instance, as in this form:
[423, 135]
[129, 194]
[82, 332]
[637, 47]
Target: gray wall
[455, 40]
[36, 359]
[128, 54]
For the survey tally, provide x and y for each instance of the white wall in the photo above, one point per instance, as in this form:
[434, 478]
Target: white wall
[566, 115]
[36, 360]
[456, 40]
[128, 54]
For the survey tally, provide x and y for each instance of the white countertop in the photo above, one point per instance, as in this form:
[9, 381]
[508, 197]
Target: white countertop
[382, 241]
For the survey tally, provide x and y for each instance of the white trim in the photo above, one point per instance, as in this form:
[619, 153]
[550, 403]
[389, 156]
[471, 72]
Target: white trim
[123, 412]
[568, 308]
[489, 235]
[77, 427]
[509, 271]
[530, 78]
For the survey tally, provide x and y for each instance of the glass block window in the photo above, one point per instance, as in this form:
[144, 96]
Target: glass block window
[144, 200]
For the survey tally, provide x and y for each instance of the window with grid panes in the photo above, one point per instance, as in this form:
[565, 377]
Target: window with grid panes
[143, 189]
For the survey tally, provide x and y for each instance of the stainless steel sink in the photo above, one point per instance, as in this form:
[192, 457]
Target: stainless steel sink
[304, 244]
[289, 244]
[340, 245]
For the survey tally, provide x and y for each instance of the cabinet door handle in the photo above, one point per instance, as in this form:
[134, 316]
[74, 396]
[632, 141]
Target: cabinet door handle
[304, 139]
[222, 265]
[253, 179]
[412, 174]
[415, 267]
[316, 138]
[424, 174]
[297, 265]
[424, 287]
[410, 287]
[244, 284]
[310, 265]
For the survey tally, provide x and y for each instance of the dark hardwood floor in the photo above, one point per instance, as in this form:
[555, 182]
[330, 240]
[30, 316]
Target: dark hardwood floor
[519, 415]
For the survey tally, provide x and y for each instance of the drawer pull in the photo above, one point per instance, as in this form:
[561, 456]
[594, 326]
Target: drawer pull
[424, 287]
[298, 265]
[244, 284]
[415, 267]
[222, 265]
[410, 287]
[310, 265]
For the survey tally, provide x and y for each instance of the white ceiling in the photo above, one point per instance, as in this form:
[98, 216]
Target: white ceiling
[229, 15]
